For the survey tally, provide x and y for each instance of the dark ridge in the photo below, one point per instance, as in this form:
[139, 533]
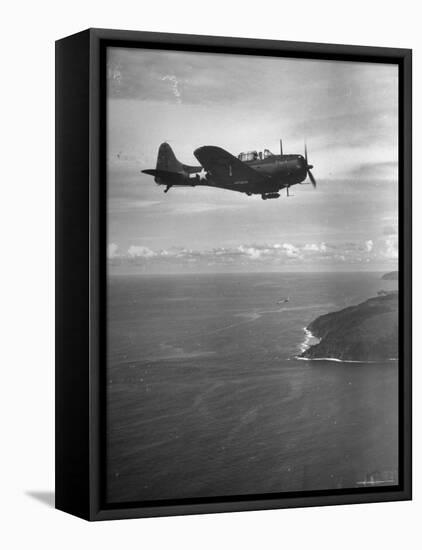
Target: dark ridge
[365, 332]
[392, 276]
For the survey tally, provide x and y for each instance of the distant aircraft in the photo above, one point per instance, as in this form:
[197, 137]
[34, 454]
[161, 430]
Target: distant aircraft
[252, 173]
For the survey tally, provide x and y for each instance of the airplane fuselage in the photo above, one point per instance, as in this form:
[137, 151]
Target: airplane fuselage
[284, 169]
[249, 173]
[280, 170]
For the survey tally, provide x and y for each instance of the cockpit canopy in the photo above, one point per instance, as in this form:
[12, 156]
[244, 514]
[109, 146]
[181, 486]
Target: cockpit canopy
[254, 155]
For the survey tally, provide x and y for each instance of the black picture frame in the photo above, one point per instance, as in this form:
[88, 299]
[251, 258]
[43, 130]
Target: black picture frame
[81, 272]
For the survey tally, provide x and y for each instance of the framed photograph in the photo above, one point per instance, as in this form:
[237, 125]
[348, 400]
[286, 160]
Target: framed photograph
[233, 274]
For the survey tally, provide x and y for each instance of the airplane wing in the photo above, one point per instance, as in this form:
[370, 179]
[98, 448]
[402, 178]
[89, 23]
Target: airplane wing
[225, 167]
[191, 169]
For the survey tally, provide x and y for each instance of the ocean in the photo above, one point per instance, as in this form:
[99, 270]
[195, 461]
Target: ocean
[206, 398]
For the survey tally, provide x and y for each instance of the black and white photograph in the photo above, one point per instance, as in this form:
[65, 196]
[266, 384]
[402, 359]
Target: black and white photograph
[252, 275]
[210, 236]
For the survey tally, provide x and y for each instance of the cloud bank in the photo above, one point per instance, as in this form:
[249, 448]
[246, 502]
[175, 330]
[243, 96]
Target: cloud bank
[276, 255]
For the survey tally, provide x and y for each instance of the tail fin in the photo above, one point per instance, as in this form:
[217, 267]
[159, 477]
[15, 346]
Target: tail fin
[167, 160]
[169, 171]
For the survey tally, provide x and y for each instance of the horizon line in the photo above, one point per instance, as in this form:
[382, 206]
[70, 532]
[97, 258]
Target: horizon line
[383, 271]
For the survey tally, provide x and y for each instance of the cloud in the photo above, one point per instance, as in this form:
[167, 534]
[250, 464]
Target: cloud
[375, 170]
[291, 250]
[369, 245]
[342, 88]
[313, 247]
[266, 253]
[140, 252]
[390, 249]
[112, 251]
[269, 252]
[263, 256]
[117, 204]
[251, 252]
[174, 86]
[201, 207]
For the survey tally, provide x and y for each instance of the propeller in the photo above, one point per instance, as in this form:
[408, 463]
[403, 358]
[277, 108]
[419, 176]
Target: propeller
[308, 167]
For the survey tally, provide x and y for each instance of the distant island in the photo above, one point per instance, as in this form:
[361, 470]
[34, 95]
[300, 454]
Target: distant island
[392, 276]
[365, 332]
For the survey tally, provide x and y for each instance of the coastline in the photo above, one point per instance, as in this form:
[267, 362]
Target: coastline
[311, 340]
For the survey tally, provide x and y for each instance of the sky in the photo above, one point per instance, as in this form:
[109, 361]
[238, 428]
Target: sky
[348, 114]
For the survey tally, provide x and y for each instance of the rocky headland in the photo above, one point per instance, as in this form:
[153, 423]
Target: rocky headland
[364, 332]
[391, 276]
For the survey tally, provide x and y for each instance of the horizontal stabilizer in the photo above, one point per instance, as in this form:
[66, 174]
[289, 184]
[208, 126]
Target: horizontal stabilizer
[169, 171]
[166, 177]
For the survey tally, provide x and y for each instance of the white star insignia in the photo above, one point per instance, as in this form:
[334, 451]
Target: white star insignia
[202, 175]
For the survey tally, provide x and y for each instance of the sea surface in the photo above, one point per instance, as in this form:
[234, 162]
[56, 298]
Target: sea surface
[205, 395]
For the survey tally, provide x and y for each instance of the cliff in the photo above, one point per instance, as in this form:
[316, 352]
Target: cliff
[365, 332]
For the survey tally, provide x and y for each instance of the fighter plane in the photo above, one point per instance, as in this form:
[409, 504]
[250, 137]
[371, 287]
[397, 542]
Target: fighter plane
[253, 172]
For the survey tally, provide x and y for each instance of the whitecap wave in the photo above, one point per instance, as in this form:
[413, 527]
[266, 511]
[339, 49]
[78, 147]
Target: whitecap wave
[310, 340]
[336, 360]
